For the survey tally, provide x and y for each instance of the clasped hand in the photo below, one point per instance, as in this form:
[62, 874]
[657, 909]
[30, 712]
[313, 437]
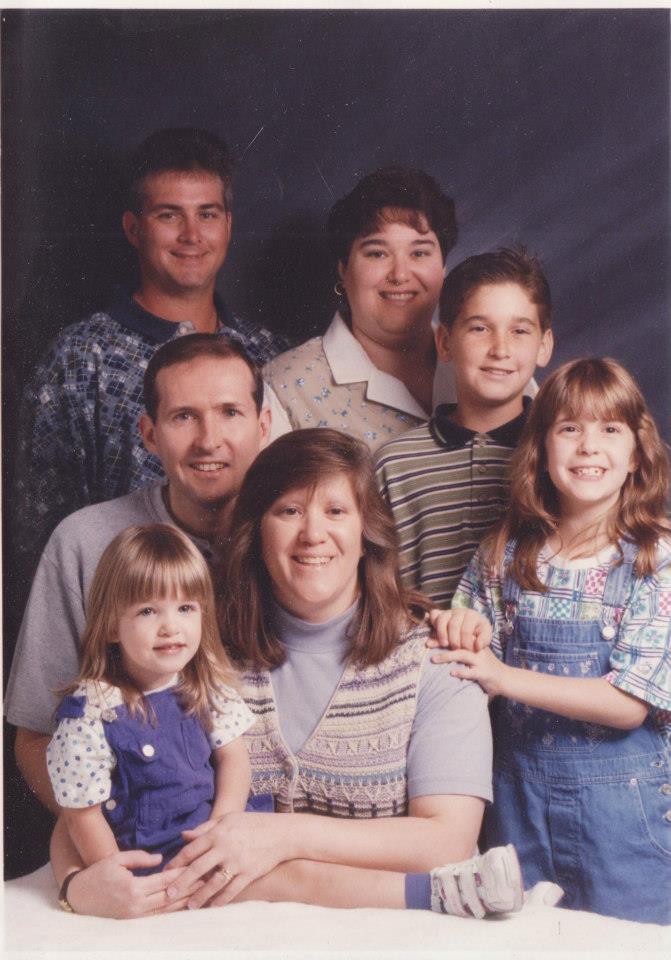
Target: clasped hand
[227, 854]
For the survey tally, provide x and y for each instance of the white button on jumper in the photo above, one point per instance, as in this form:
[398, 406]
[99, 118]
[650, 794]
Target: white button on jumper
[608, 632]
[110, 805]
[148, 750]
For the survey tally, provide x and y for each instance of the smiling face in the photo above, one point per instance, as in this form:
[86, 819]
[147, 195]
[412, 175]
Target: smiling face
[311, 543]
[495, 344]
[207, 432]
[393, 279]
[181, 233]
[157, 639]
[588, 461]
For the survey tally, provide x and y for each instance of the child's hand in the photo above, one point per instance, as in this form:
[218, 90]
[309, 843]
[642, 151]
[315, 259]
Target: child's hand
[482, 666]
[459, 629]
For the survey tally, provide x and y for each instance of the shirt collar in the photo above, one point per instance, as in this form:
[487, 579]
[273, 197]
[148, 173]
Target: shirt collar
[350, 363]
[453, 436]
[128, 312]
[158, 495]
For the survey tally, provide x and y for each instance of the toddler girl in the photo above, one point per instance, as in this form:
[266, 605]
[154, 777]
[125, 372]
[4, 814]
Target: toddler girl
[576, 582]
[154, 702]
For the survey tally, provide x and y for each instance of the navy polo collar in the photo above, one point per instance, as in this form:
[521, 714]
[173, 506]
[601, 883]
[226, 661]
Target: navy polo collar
[453, 436]
[131, 315]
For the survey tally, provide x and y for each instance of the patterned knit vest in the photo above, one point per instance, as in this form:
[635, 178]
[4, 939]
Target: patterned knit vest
[354, 762]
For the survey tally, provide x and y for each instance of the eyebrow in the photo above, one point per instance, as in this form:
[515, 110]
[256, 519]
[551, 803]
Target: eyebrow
[480, 316]
[178, 207]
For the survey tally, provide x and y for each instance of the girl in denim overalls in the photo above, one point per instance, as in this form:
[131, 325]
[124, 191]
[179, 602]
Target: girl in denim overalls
[577, 585]
[154, 702]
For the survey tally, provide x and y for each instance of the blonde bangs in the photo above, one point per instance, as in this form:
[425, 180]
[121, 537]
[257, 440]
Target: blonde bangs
[175, 572]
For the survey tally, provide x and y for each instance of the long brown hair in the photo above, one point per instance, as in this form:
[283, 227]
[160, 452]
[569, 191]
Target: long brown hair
[152, 562]
[300, 460]
[603, 389]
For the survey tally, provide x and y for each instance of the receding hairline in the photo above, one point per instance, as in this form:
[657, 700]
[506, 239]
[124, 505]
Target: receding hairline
[203, 358]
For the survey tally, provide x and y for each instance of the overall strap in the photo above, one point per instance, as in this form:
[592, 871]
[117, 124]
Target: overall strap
[617, 583]
[511, 588]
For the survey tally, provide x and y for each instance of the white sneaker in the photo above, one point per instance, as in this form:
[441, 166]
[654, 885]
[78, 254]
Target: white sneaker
[488, 883]
[543, 894]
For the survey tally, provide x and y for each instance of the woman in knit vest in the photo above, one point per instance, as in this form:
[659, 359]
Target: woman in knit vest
[378, 759]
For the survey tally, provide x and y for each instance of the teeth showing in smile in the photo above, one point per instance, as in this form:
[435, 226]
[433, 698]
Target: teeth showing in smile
[208, 467]
[496, 371]
[170, 648]
[588, 471]
[313, 561]
[398, 297]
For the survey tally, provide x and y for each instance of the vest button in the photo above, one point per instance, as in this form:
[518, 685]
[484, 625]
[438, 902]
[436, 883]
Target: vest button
[148, 750]
[667, 816]
[110, 805]
[288, 767]
[665, 789]
[608, 633]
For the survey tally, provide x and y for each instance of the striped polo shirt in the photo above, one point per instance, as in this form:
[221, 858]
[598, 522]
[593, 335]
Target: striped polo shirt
[446, 486]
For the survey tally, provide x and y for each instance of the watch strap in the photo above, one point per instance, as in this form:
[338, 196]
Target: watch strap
[63, 901]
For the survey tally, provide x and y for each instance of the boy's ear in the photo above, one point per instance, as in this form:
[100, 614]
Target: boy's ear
[146, 425]
[130, 225]
[442, 337]
[545, 349]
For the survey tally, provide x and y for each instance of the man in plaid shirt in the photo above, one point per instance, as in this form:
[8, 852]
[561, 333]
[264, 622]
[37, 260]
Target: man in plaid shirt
[79, 442]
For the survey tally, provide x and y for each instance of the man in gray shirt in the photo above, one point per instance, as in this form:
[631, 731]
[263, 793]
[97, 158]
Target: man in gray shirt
[204, 418]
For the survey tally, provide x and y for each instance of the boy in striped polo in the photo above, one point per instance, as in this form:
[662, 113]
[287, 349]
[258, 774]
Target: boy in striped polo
[446, 481]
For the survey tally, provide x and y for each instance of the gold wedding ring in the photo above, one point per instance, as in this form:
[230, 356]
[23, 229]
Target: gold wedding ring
[223, 874]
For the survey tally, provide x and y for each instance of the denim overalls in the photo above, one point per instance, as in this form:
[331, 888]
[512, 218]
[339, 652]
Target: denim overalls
[163, 781]
[587, 806]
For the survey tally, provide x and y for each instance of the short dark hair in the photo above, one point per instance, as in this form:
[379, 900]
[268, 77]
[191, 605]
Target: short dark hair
[185, 149]
[411, 194]
[191, 347]
[505, 265]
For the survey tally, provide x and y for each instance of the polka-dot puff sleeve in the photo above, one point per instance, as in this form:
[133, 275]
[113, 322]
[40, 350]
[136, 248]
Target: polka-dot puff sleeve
[80, 762]
[230, 717]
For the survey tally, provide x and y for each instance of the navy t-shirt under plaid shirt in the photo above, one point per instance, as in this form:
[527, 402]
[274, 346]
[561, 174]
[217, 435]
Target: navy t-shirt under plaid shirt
[79, 440]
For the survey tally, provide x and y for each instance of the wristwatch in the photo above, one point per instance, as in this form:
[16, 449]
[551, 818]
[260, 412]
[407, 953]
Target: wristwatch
[63, 901]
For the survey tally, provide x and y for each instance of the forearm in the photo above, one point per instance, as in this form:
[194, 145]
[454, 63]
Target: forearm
[31, 759]
[328, 885]
[590, 699]
[90, 833]
[425, 839]
[63, 853]
[232, 778]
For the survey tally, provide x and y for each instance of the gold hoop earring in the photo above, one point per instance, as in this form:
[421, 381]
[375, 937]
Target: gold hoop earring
[338, 289]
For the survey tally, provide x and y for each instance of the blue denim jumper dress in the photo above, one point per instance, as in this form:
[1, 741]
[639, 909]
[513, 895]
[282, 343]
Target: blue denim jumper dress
[587, 806]
[163, 781]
